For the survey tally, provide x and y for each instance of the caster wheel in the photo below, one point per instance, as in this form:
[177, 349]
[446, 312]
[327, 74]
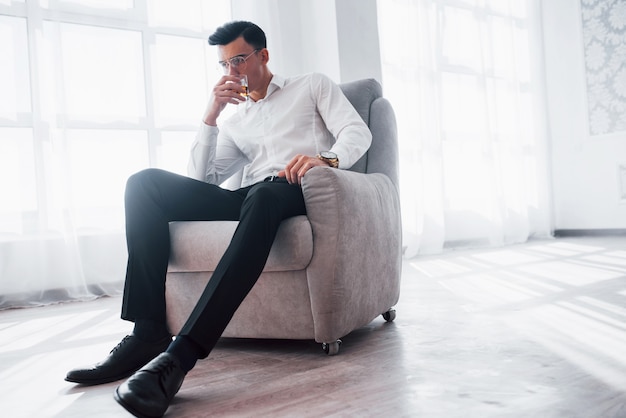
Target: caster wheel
[390, 315]
[331, 348]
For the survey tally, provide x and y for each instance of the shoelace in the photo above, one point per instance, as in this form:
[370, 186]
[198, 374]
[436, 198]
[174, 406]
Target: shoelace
[164, 369]
[120, 344]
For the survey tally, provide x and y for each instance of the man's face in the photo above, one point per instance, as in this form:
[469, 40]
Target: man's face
[240, 48]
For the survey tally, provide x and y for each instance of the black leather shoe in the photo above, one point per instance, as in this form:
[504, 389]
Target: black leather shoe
[148, 392]
[125, 359]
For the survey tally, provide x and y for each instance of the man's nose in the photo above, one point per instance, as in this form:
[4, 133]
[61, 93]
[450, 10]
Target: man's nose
[232, 70]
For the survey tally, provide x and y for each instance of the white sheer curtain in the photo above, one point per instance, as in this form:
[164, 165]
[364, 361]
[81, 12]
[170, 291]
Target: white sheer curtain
[466, 81]
[90, 92]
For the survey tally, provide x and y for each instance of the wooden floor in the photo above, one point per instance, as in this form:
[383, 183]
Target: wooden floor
[533, 330]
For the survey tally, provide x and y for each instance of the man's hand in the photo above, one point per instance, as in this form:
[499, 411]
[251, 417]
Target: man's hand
[298, 166]
[227, 90]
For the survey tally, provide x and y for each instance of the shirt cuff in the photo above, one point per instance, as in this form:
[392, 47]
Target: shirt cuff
[207, 135]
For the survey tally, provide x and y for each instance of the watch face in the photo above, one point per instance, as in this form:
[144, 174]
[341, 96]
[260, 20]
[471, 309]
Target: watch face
[329, 155]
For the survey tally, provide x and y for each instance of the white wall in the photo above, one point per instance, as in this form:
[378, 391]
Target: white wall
[585, 178]
[357, 34]
[336, 37]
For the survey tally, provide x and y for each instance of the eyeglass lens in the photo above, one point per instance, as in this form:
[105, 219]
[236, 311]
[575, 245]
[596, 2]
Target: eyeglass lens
[235, 61]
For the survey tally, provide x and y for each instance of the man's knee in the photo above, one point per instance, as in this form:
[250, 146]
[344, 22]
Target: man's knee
[143, 184]
[141, 177]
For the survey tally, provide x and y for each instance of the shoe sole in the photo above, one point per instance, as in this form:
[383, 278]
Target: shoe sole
[129, 408]
[101, 381]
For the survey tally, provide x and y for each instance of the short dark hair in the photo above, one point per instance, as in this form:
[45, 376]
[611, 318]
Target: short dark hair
[230, 31]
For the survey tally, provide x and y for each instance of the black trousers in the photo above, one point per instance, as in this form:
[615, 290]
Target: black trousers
[154, 198]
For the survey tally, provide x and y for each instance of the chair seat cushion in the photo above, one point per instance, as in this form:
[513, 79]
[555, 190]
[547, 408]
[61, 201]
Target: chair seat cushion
[198, 245]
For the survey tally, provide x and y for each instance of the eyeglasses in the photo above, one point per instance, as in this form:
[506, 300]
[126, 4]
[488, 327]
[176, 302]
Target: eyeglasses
[235, 61]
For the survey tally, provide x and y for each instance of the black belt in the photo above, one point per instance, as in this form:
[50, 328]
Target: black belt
[275, 179]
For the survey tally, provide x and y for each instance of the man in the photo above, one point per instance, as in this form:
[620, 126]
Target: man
[285, 128]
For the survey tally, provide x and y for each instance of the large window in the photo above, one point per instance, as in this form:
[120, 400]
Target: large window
[466, 82]
[91, 91]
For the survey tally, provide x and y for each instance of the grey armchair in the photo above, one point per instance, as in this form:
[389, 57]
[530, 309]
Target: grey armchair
[329, 272]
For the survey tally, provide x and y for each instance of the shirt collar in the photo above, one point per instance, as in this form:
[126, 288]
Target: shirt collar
[276, 83]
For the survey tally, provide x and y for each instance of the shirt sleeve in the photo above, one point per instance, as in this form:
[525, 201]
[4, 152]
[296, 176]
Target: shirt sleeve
[214, 157]
[352, 135]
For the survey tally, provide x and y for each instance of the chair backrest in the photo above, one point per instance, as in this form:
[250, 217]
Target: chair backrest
[382, 157]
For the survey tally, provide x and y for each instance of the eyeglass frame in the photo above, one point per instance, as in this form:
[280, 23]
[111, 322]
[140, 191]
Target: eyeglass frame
[228, 63]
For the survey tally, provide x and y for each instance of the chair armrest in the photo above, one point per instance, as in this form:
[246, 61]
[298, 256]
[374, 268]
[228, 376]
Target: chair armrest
[354, 274]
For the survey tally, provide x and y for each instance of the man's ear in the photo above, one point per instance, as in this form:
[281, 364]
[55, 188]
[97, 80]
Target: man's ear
[264, 54]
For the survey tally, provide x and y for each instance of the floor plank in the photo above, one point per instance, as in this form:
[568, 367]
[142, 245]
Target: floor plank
[532, 330]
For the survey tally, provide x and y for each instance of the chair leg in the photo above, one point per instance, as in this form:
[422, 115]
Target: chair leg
[390, 315]
[331, 348]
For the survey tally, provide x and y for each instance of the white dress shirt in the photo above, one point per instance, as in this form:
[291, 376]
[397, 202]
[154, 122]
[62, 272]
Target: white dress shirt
[304, 115]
